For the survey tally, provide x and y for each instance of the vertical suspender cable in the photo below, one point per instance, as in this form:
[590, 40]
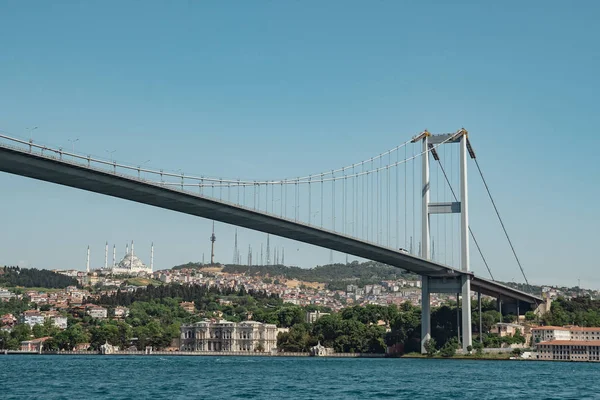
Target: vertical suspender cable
[322, 211]
[413, 197]
[405, 200]
[396, 199]
[309, 204]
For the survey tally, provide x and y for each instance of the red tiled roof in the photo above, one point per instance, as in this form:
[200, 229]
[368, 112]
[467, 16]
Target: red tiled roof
[572, 342]
[552, 328]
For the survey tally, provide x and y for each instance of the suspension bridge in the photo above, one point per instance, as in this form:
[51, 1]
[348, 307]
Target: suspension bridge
[379, 209]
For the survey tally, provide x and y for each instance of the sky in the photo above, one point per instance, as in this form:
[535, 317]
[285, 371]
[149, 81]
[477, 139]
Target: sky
[264, 90]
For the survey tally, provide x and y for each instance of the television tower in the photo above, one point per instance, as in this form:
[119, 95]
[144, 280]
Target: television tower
[213, 238]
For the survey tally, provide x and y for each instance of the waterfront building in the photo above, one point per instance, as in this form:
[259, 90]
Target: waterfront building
[571, 350]
[319, 350]
[542, 334]
[547, 333]
[228, 336]
[505, 329]
[581, 333]
[34, 344]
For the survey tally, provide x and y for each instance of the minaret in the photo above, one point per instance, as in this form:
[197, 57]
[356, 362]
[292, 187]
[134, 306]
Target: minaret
[152, 257]
[213, 238]
[106, 255]
[261, 254]
[87, 268]
[236, 258]
[131, 258]
[126, 249]
[114, 255]
[132, 247]
[282, 255]
[268, 251]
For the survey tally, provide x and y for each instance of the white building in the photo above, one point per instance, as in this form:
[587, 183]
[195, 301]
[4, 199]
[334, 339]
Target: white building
[97, 312]
[60, 322]
[32, 318]
[121, 312]
[312, 316]
[547, 333]
[6, 295]
[229, 336]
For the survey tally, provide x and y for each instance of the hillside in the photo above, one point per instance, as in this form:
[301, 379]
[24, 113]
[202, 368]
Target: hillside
[31, 277]
[337, 276]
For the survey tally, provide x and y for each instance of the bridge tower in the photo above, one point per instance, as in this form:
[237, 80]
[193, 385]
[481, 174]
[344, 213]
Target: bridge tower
[445, 284]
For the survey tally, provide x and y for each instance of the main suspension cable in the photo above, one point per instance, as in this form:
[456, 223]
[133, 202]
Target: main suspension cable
[502, 223]
[470, 230]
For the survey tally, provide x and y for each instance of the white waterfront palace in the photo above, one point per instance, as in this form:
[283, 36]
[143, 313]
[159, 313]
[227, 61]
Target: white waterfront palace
[228, 336]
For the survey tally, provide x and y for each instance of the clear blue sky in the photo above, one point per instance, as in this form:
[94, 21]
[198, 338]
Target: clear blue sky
[270, 89]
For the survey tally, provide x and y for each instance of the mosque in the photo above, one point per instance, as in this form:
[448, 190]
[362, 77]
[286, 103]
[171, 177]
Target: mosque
[130, 264]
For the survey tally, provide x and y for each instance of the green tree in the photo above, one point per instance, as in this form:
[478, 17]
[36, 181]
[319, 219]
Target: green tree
[449, 348]
[430, 347]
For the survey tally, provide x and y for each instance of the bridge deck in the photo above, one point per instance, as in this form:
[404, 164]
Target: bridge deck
[67, 173]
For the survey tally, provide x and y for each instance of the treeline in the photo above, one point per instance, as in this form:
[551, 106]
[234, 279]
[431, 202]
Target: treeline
[32, 277]
[372, 328]
[195, 293]
[581, 311]
[342, 274]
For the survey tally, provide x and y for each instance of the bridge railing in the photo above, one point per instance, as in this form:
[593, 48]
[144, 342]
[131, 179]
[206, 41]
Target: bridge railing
[125, 171]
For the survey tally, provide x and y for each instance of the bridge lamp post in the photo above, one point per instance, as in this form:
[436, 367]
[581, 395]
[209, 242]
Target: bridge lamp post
[73, 141]
[30, 131]
[110, 152]
[140, 167]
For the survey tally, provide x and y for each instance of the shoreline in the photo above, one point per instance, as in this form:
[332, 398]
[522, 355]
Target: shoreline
[252, 354]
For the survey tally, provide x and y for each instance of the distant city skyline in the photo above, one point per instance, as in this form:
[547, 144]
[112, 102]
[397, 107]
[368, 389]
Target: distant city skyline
[295, 89]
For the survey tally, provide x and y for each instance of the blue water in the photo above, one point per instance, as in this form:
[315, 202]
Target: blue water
[156, 377]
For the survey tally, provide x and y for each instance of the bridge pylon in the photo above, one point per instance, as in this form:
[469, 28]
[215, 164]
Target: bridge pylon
[457, 284]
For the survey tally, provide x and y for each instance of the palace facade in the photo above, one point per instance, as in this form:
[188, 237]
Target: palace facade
[228, 336]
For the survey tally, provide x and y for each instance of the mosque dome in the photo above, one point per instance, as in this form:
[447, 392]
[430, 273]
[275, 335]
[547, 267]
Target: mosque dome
[131, 261]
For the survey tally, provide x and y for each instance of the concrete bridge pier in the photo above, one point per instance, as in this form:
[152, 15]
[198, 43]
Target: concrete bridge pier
[449, 285]
[425, 313]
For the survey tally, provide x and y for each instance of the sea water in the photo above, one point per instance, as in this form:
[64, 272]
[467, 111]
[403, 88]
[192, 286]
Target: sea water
[192, 377]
